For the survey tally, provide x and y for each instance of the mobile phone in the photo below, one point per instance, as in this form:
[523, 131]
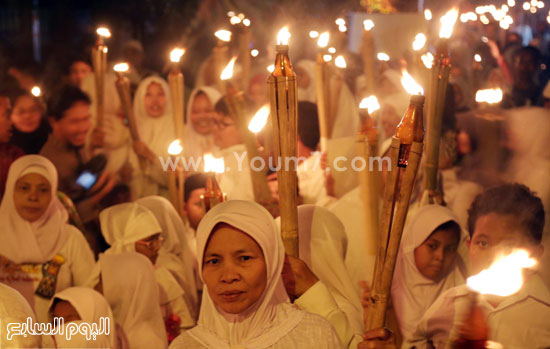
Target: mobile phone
[86, 179]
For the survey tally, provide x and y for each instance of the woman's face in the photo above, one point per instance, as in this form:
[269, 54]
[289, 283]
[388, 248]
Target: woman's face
[233, 269]
[78, 72]
[226, 133]
[26, 114]
[155, 100]
[31, 196]
[150, 246]
[65, 310]
[202, 114]
[436, 255]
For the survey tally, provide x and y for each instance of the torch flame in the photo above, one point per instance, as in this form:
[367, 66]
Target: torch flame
[175, 54]
[314, 34]
[340, 62]
[411, 86]
[121, 67]
[223, 35]
[283, 36]
[36, 91]
[227, 72]
[428, 14]
[370, 103]
[102, 31]
[368, 24]
[447, 23]
[246, 22]
[175, 148]
[259, 119]
[383, 56]
[327, 58]
[477, 57]
[254, 52]
[428, 60]
[340, 21]
[490, 96]
[419, 41]
[323, 40]
[234, 20]
[212, 164]
[271, 68]
[504, 277]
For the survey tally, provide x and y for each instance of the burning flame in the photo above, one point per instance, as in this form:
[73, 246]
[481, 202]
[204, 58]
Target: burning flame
[36, 91]
[340, 21]
[428, 60]
[175, 54]
[490, 96]
[246, 22]
[271, 68]
[314, 34]
[223, 35]
[331, 50]
[411, 86]
[227, 72]
[340, 62]
[327, 58]
[121, 67]
[234, 20]
[477, 57]
[428, 14]
[212, 164]
[484, 19]
[504, 277]
[259, 119]
[370, 103]
[368, 24]
[254, 53]
[283, 36]
[447, 23]
[382, 56]
[175, 148]
[102, 31]
[342, 28]
[419, 41]
[323, 40]
[468, 16]
[105, 49]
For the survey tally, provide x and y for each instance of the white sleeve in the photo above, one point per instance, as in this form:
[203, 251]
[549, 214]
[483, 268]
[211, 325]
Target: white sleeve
[81, 257]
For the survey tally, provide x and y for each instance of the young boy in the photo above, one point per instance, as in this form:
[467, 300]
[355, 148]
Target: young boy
[192, 207]
[500, 219]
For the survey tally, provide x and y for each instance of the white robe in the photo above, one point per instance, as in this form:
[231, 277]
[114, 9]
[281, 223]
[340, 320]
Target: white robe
[235, 181]
[311, 181]
[14, 308]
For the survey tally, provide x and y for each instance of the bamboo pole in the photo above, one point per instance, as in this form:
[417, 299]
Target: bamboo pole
[367, 53]
[322, 110]
[99, 63]
[244, 55]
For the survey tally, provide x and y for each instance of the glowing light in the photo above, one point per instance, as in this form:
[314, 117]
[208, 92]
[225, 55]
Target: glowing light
[447, 23]
[175, 148]
[419, 41]
[340, 62]
[368, 24]
[384, 57]
[410, 85]
[477, 57]
[340, 21]
[342, 28]
[540, 4]
[246, 22]
[36, 91]
[259, 119]
[526, 6]
[504, 277]
[230, 14]
[533, 10]
[504, 25]
[254, 53]
[234, 20]
[327, 58]
[489, 96]
[313, 34]
[223, 35]
[227, 72]
[241, 15]
[511, 3]
[331, 50]
[370, 103]
[484, 39]
[105, 49]
[428, 14]
[468, 16]
[271, 68]
[484, 19]
[212, 164]
[104, 32]
[175, 54]
[428, 60]
[323, 39]
[283, 37]
[121, 67]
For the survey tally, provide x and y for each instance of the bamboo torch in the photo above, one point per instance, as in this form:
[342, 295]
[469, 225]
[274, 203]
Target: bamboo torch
[367, 53]
[436, 102]
[405, 154]
[235, 103]
[219, 53]
[213, 194]
[284, 108]
[321, 90]
[243, 29]
[175, 194]
[99, 63]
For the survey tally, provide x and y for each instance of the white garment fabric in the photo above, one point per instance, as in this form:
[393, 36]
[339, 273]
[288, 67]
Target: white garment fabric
[14, 308]
[39, 241]
[413, 293]
[308, 94]
[236, 180]
[130, 287]
[91, 306]
[269, 323]
[311, 181]
[196, 145]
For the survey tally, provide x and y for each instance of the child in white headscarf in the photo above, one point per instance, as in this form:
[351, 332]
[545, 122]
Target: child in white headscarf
[427, 264]
[14, 308]
[127, 281]
[244, 302]
[41, 253]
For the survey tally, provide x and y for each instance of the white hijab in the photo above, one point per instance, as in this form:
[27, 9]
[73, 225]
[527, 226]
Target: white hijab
[15, 308]
[272, 316]
[159, 132]
[130, 287]
[124, 224]
[196, 145]
[308, 94]
[412, 293]
[91, 306]
[39, 241]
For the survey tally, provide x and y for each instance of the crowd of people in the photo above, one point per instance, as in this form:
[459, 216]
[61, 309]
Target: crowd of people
[89, 232]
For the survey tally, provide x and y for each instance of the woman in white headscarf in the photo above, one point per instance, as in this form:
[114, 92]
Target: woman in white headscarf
[153, 113]
[90, 307]
[199, 123]
[41, 253]
[417, 283]
[244, 302]
[14, 308]
[127, 281]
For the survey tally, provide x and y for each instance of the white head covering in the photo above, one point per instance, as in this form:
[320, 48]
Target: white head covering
[39, 241]
[159, 132]
[124, 224]
[14, 308]
[91, 306]
[272, 316]
[412, 293]
[195, 144]
[308, 94]
[130, 287]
